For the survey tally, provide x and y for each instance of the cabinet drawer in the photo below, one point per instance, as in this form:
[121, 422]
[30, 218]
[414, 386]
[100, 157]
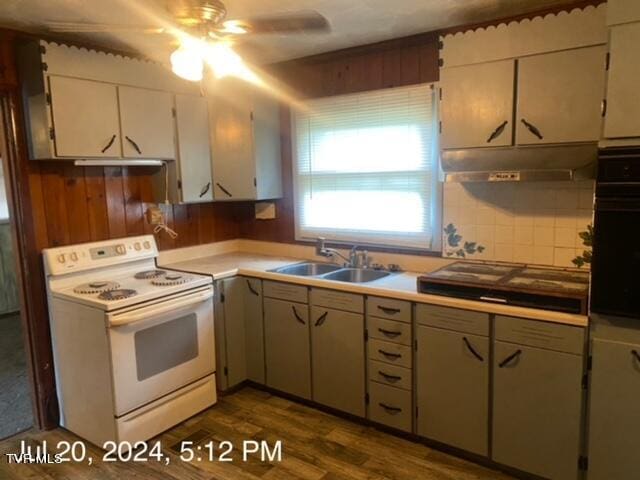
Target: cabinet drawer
[391, 375]
[338, 300]
[563, 338]
[388, 330]
[465, 321]
[389, 308]
[285, 291]
[390, 406]
[392, 353]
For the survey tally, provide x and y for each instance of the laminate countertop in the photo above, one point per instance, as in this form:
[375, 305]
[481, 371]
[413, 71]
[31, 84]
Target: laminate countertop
[401, 286]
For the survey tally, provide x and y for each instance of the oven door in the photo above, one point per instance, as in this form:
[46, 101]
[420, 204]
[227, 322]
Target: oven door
[159, 348]
[615, 271]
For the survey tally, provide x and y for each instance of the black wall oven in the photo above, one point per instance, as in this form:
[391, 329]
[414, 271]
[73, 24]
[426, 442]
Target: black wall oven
[615, 269]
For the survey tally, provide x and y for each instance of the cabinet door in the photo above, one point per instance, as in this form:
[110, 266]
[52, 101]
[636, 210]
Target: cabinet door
[194, 149]
[555, 103]
[148, 127]
[477, 105]
[614, 416]
[623, 102]
[266, 150]
[337, 343]
[452, 371]
[536, 410]
[85, 118]
[254, 329]
[286, 343]
[235, 331]
[234, 169]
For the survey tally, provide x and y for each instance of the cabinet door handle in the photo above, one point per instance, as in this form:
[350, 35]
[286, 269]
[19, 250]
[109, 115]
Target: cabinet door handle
[636, 354]
[389, 354]
[497, 132]
[510, 358]
[389, 333]
[205, 189]
[532, 128]
[134, 145]
[321, 319]
[252, 290]
[472, 350]
[392, 378]
[109, 143]
[224, 190]
[297, 315]
[389, 310]
[389, 408]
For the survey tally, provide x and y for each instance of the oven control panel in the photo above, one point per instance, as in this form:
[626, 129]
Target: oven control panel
[91, 255]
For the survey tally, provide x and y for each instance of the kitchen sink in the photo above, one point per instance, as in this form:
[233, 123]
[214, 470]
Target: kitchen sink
[308, 269]
[356, 275]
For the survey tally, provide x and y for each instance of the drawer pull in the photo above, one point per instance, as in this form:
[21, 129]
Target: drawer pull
[251, 289]
[509, 359]
[134, 145]
[388, 377]
[472, 350]
[109, 143]
[389, 408]
[497, 132]
[321, 319]
[388, 310]
[389, 333]
[636, 354]
[297, 315]
[389, 354]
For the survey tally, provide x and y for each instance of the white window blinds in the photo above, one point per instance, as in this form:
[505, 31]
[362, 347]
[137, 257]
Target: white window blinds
[366, 168]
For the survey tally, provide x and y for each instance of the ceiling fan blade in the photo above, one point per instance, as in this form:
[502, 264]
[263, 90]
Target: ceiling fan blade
[286, 23]
[72, 27]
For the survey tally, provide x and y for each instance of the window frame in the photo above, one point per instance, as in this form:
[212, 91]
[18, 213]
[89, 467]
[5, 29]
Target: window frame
[435, 247]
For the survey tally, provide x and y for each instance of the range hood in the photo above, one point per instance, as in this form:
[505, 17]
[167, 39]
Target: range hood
[521, 164]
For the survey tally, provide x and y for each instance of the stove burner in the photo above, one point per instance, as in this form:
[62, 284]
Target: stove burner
[171, 279]
[119, 294]
[148, 274]
[96, 287]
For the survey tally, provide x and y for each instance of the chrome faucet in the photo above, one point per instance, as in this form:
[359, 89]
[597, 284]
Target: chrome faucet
[357, 258]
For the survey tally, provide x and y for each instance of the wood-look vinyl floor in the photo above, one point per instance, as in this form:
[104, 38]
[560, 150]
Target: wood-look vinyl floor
[315, 446]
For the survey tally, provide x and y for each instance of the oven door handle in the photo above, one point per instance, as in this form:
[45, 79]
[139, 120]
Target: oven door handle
[147, 313]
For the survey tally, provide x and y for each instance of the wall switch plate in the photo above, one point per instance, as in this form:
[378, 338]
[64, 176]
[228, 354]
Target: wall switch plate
[155, 216]
[265, 210]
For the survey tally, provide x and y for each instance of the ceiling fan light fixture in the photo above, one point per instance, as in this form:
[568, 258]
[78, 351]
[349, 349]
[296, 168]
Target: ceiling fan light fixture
[187, 63]
[234, 27]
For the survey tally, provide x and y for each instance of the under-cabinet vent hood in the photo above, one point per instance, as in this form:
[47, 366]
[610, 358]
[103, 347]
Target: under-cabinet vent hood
[521, 164]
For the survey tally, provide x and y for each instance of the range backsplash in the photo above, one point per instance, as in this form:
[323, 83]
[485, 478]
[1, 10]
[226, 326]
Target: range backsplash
[536, 223]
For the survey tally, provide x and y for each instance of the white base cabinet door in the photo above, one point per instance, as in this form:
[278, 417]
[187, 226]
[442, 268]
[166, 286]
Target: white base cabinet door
[537, 407]
[254, 328]
[452, 371]
[337, 343]
[614, 413]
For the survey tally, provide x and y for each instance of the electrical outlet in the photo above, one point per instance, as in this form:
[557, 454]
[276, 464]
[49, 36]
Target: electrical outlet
[155, 216]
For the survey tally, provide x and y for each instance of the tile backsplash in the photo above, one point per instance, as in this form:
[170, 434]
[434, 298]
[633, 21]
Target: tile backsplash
[536, 223]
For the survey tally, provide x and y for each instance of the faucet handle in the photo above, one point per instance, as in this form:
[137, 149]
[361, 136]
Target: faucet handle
[320, 248]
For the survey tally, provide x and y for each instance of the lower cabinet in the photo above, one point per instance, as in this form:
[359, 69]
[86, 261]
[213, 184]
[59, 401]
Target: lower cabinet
[614, 416]
[286, 342]
[390, 406]
[537, 410]
[338, 359]
[452, 382]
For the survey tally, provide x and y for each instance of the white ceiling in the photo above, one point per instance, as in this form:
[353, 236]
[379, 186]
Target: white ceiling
[353, 22]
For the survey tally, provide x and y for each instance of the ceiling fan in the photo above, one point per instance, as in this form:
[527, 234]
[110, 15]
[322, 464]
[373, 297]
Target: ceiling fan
[205, 35]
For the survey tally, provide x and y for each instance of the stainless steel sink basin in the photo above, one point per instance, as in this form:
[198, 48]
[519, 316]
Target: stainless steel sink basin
[308, 269]
[356, 275]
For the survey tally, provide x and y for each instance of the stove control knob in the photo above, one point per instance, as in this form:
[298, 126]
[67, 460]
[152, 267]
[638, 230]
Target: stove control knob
[121, 249]
[137, 246]
[146, 245]
[74, 256]
[61, 258]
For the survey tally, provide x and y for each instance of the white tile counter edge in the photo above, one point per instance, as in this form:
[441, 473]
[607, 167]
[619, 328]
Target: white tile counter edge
[254, 259]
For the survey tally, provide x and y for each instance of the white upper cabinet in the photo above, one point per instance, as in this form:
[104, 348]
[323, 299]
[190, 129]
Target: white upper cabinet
[622, 119]
[477, 105]
[194, 150]
[245, 134]
[622, 11]
[84, 118]
[147, 124]
[559, 96]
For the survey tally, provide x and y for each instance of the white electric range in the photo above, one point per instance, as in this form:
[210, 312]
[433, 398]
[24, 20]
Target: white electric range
[133, 345]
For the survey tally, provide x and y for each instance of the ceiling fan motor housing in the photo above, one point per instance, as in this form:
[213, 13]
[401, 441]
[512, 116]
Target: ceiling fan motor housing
[194, 13]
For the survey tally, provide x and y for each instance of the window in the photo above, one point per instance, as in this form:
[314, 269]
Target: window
[366, 168]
